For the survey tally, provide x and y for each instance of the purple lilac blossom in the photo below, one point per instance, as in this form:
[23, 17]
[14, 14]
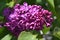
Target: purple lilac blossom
[26, 17]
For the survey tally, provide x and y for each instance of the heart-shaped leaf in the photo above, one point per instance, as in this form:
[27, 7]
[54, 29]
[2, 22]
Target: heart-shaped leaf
[27, 36]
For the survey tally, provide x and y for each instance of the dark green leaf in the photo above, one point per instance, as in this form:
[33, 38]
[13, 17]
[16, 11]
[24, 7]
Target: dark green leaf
[3, 5]
[3, 32]
[1, 18]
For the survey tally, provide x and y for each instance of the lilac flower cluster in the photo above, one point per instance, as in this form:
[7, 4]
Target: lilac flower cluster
[27, 17]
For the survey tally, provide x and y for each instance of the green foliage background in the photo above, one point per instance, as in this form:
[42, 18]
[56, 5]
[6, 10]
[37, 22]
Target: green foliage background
[51, 5]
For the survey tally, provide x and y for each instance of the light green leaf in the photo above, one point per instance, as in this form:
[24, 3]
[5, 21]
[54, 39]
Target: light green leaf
[38, 1]
[41, 39]
[51, 2]
[10, 4]
[56, 32]
[57, 35]
[46, 29]
[7, 37]
[27, 36]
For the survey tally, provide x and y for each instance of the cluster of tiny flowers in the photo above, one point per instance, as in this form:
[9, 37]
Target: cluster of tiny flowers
[26, 17]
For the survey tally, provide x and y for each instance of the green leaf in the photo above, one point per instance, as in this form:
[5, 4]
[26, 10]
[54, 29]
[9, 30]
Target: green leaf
[1, 18]
[3, 32]
[56, 32]
[51, 2]
[1, 29]
[55, 38]
[39, 1]
[46, 29]
[18, 1]
[10, 4]
[14, 38]
[51, 6]
[57, 7]
[7, 37]
[27, 36]
[41, 39]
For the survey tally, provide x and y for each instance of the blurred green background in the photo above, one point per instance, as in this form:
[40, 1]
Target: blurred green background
[51, 5]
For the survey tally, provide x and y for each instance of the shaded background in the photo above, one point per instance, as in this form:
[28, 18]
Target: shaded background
[51, 5]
